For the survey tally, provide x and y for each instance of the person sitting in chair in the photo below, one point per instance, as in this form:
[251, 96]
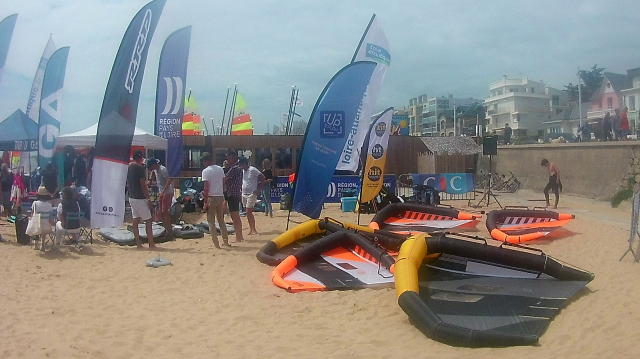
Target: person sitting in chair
[41, 205]
[67, 226]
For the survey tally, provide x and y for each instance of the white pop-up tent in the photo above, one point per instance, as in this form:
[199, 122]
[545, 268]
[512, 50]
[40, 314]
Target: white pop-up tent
[87, 138]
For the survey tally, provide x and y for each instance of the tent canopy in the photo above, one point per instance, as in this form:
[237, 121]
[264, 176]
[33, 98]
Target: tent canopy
[87, 138]
[18, 133]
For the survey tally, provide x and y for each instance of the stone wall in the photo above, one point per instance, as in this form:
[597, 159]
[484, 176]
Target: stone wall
[594, 170]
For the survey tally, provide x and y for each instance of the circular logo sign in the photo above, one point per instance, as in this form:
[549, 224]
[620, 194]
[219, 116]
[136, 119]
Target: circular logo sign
[374, 174]
[377, 151]
[381, 128]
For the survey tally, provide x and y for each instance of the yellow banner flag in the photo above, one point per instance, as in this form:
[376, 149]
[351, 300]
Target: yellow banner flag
[376, 156]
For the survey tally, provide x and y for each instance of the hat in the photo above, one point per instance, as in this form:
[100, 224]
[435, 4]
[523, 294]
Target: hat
[137, 154]
[42, 191]
[206, 156]
[243, 160]
[152, 162]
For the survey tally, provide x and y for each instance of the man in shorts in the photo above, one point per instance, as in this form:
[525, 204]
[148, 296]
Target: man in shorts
[252, 182]
[234, 192]
[139, 199]
[165, 191]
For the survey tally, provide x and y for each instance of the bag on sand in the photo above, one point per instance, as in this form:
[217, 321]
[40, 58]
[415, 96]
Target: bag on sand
[33, 228]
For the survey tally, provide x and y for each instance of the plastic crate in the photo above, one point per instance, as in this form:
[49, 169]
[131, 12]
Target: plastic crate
[348, 204]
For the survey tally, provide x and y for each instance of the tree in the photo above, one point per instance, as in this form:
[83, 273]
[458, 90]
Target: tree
[591, 81]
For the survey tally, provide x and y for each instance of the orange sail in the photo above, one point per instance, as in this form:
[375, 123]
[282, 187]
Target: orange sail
[241, 124]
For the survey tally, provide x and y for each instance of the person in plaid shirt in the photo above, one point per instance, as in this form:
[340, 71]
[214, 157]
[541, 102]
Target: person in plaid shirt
[234, 192]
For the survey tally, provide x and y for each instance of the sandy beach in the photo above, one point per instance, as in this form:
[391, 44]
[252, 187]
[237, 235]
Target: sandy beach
[103, 302]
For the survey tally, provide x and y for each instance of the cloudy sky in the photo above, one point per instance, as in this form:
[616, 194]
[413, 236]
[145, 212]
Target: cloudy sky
[267, 46]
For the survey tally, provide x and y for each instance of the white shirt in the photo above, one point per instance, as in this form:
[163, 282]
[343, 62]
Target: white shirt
[250, 180]
[214, 174]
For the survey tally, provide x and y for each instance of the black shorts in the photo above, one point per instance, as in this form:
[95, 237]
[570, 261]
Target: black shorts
[233, 203]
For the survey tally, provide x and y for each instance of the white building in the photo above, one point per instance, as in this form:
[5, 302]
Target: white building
[524, 104]
[631, 99]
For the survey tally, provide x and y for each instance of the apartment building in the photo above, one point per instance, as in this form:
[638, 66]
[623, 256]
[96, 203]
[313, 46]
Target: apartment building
[524, 104]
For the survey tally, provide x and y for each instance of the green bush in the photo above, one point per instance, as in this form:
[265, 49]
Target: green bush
[621, 196]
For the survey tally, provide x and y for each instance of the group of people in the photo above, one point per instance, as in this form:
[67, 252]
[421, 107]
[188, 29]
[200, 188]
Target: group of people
[617, 128]
[237, 184]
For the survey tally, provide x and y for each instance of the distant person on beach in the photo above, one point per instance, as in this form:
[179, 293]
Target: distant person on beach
[554, 182]
[165, 191]
[234, 192]
[624, 124]
[585, 130]
[606, 127]
[213, 178]
[50, 182]
[252, 183]
[139, 199]
[507, 134]
[269, 184]
[6, 183]
[616, 124]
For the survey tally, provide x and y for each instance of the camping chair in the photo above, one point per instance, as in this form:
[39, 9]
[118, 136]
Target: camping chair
[71, 235]
[47, 238]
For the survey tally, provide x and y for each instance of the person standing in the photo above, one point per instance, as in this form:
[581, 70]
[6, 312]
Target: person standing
[50, 182]
[234, 192]
[165, 191]
[507, 134]
[139, 199]
[252, 183]
[6, 183]
[269, 184]
[214, 179]
[554, 182]
[616, 124]
[80, 171]
[606, 127]
[624, 124]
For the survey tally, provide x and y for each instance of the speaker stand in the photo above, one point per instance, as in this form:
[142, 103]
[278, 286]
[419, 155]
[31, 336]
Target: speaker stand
[488, 193]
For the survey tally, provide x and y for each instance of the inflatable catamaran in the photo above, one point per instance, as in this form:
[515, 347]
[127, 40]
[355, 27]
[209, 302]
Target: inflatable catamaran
[410, 218]
[521, 225]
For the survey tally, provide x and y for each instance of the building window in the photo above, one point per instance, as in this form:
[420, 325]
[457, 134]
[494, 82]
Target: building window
[555, 100]
[261, 154]
[533, 90]
[284, 158]
[609, 102]
[632, 103]
[191, 159]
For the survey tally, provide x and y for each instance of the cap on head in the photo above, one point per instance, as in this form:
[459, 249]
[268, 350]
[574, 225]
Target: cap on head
[137, 154]
[152, 162]
[243, 161]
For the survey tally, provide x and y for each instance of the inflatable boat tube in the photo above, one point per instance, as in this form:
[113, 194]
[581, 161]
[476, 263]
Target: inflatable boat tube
[345, 273]
[522, 225]
[158, 262]
[121, 236]
[205, 225]
[267, 253]
[412, 218]
[187, 231]
[478, 295]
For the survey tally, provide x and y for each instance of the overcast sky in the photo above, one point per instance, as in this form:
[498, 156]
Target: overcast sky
[267, 46]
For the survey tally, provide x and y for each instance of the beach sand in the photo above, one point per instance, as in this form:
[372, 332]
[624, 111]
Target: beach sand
[103, 302]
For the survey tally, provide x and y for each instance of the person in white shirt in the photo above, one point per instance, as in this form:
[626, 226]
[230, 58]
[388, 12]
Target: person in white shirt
[213, 178]
[252, 182]
[43, 206]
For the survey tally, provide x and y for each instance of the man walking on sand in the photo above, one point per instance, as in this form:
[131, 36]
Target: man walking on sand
[234, 192]
[252, 182]
[139, 199]
[554, 182]
[165, 195]
[213, 178]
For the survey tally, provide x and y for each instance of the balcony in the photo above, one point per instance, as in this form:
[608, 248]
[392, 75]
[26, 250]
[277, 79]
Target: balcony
[593, 114]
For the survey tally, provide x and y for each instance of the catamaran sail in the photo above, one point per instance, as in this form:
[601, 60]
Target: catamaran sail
[172, 76]
[191, 122]
[118, 119]
[373, 47]
[241, 124]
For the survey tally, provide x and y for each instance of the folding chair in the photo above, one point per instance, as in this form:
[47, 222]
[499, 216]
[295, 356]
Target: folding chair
[72, 235]
[43, 239]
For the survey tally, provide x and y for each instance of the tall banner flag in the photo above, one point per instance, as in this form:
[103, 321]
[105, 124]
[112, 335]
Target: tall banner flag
[117, 121]
[172, 76]
[332, 119]
[6, 32]
[51, 105]
[376, 156]
[373, 47]
[33, 106]
[241, 124]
